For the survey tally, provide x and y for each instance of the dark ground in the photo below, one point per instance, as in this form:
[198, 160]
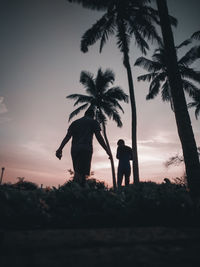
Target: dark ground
[139, 246]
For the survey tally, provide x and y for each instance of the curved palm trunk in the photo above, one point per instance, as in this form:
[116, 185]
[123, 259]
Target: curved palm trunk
[134, 120]
[111, 157]
[180, 107]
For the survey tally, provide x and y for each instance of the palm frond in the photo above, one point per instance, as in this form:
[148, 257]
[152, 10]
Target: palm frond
[173, 21]
[142, 23]
[196, 103]
[151, 14]
[117, 93]
[116, 104]
[140, 42]
[191, 56]
[197, 111]
[76, 111]
[111, 112]
[74, 96]
[196, 35]
[184, 43]
[123, 37]
[109, 30]
[148, 64]
[94, 34]
[153, 91]
[189, 73]
[109, 76]
[83, 99]
[92, 4]
[165, 91]
[146, 77]
[112, 103]
[189, 87]
[192, 104]
[117, 118]
[87, 80]
[154, 87]
[100, 117]
[103, 79]
[160, 58]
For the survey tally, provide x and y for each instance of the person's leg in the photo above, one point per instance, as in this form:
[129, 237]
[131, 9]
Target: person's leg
[81, 163]
[119, 177]
[127, 175]
[127, 179]
[77, 178]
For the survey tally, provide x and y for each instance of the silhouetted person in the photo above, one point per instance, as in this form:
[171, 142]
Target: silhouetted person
[82, 131]
[124, 154]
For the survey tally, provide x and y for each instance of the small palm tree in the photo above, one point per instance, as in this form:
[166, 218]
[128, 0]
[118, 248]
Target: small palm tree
[158, 75]
[104, 100]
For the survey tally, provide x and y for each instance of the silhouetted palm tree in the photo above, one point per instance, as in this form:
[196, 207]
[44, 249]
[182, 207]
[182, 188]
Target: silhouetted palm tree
[183, 122]
[158, 75]
[124, 19]
[104, 100]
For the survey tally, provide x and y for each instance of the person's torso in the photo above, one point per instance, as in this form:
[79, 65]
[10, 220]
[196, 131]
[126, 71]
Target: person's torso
[124, 155]
[82, 133]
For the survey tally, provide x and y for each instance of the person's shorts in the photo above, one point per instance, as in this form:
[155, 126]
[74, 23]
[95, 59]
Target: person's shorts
[124, 170]
[82, 161]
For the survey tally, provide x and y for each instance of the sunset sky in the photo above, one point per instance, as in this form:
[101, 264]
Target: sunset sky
[41, 64]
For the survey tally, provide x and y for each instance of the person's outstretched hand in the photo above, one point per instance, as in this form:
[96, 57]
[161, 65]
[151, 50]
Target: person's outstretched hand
[59, 154]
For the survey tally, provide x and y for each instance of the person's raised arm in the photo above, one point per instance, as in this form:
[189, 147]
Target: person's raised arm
[101, 141]
[63, 143]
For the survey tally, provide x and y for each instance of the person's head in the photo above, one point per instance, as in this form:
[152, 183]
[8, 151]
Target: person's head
[120, 142]
[89, 113]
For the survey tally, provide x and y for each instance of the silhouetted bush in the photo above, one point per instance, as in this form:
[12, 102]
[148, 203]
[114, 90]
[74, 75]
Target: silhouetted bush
[22, 185]
[145, 204]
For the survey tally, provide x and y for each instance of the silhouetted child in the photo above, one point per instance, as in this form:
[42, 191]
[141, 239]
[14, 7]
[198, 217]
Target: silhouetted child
[124, 154]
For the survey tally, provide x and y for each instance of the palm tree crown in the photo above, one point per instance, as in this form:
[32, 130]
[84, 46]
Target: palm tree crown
[158, 76]
[123, 19]
[100, 97]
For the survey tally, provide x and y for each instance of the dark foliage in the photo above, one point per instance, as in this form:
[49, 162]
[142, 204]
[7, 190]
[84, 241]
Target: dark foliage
[145, 204]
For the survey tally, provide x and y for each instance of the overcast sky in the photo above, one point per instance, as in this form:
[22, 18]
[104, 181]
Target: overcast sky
[41, 64]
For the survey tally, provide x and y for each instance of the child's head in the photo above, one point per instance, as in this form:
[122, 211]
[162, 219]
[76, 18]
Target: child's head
[120, 142]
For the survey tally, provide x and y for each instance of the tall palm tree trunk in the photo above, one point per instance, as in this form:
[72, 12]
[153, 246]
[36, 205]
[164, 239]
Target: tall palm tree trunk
[125, 50]
[111, 156]
[134, 119]
[180, 107]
